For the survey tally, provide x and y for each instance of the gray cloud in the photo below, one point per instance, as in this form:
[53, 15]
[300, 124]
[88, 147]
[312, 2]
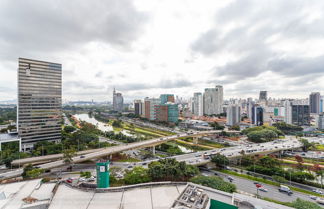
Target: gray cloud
[163, 84]
[31, 27]
[253, 25]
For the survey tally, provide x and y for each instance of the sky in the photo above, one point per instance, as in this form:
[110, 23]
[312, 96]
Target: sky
[149, 47]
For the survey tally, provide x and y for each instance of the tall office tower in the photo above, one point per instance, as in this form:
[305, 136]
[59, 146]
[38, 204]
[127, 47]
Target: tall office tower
[198, 109]
[138, 107]
[249, 108]
[213, 100]
[39, 109]
[257, 115]
[166, 112]
[300, 115]
[118, 101]
[165, 98]
[150, 103]
[263, 96]
[320, 121]
[287, 112]
[233, 115]
[322, 104]
[314, 102]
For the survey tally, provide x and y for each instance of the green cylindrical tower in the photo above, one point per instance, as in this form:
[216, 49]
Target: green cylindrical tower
[103, 174]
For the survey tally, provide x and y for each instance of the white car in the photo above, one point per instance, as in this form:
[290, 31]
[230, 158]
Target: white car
[317, 191]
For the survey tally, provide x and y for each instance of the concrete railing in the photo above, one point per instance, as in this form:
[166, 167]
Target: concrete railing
[124, 188]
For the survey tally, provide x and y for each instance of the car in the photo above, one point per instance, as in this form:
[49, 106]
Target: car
[256, 182]
[144, 163]
[69, 180]
[317, 191]
[286, 189]
[312, 197]
[82, 156]
[230, 178]
[262, 189]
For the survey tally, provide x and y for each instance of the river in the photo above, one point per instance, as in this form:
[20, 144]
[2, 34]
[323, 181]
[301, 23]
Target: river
[100, 125]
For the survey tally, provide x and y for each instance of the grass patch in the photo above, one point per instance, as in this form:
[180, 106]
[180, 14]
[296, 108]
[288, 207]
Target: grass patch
[269, 182]
[192, 147]
[132, 160]
[289, 204]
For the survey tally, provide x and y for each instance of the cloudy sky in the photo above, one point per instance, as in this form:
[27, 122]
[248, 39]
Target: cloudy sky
[149, 47]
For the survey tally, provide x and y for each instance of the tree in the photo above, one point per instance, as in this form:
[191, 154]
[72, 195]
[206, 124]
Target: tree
[303, 204]
[69, 129]
[31, 172]
[68, 155]
[319, 172]
[214, 182]
[117, 123]
[300, 162]
[220, 160]
[235, 127]
[216, 126]
[269, 162]
[279, 179]
[306, 144]
[85, 174]
[171, 170]
[137, 175]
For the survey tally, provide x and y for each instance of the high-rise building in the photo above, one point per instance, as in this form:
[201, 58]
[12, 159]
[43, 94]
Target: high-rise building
[138, 107]
[166, 98]
[39, 109]
[300, 115]
[198, 109]
[257, 115]
[322, 104]
[213, 100]
[263, 96]
[118, 101]
[320, 121]
[149, 104]
[233, 115]
[168, 112]
[314, 102]
[287, 112]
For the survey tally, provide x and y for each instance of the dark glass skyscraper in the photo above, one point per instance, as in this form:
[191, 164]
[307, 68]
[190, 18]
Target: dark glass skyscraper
[39, 101]
[300, 115]
[314, 102]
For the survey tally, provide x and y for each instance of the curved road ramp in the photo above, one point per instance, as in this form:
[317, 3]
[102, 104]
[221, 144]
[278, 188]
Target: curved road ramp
[159, 195]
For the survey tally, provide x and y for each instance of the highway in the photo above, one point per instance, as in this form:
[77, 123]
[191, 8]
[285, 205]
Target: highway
[192, 158]
[248, 186]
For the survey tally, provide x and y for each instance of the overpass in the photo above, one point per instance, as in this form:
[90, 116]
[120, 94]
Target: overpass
[125, 147]
[230, 152]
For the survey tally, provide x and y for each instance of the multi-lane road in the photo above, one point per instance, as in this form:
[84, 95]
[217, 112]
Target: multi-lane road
[248, 186]
[192, 158]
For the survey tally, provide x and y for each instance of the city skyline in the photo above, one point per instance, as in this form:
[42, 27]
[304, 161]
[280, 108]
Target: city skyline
[150, 47]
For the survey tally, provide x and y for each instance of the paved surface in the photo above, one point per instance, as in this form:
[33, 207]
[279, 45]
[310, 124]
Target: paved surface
[246, 185]
[108, 151]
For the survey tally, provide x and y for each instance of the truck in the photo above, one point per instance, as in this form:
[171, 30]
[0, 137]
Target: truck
[286, 189]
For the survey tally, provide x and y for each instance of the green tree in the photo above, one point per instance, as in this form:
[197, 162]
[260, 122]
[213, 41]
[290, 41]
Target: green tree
[171, 170]
[68, 155]
[306, 144]
[85, 174]
[303, 204]
[268, 162]
[216, 126]
[319, 172]
[214, 182]
[117, 123]
[220, 160]
[137, 175]
[69, 129]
